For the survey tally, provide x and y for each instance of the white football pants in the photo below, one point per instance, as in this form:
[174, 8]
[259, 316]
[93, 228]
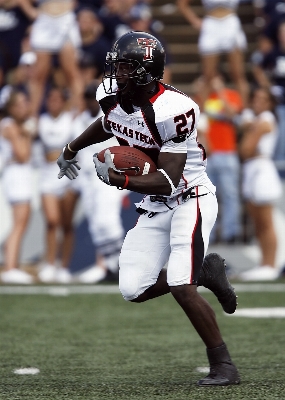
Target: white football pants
[179, 237]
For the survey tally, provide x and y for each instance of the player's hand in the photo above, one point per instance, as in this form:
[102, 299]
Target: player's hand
[67, 167]
[102, 168]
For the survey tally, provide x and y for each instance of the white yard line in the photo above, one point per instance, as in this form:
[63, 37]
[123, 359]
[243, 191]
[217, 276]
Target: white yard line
[26, 371]
[260, 312]
[61, 290]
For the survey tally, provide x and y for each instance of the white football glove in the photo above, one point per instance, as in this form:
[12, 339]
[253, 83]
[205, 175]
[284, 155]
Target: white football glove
[67, 167]
[102, 168]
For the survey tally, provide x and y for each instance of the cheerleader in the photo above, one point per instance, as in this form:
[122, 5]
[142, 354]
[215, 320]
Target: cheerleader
[220, 31]
[261, 184]
[58, 199]
[16, 131]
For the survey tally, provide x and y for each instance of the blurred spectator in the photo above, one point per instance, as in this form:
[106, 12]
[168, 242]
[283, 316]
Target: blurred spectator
[55, 31]
[21, 79]
[270, 73]
[16, 132]
[140, 19]
[270, 13]
[102, 204]
[221, 108]
[220, 32]
[263, 47]
[92, 4]
[58, 200]
[261, 184]
[15, 18]
[113, 15]
[94, 46]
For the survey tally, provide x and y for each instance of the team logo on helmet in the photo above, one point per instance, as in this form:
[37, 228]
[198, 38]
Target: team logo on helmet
[148, 45]
[111, 56]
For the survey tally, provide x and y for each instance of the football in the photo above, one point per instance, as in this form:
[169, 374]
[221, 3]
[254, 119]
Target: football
[130, 160]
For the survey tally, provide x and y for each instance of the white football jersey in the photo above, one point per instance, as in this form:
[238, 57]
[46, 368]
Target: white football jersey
[166, 123]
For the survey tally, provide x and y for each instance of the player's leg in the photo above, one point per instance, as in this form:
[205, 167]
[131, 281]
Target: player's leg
[144, 253]
[212, 276]
[201, 315]
[190, 230]
[160, 288]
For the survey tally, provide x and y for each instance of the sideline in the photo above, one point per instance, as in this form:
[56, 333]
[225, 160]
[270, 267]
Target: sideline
[66, 290]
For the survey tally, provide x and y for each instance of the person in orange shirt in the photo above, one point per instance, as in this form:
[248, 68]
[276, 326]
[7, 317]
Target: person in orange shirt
[223, 167]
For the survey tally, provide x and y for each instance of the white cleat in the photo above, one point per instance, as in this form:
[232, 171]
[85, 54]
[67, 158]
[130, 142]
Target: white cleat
[47, 273]
[93, 275]
[259, 274]
[16, 276]
[62, 275]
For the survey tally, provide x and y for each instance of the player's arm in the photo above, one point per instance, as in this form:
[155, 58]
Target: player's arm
[163, 182]
[174, 131]
[95, 133]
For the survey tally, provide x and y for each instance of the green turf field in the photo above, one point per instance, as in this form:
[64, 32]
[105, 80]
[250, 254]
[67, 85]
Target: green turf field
[97, 346]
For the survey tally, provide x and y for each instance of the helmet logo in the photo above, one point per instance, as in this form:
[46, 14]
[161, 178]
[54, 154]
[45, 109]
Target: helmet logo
[111, 56]
[148, 45]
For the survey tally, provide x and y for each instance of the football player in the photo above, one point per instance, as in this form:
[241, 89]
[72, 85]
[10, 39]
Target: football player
[179, 208]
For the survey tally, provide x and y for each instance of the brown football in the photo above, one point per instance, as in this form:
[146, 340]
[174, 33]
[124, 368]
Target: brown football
[130, 160]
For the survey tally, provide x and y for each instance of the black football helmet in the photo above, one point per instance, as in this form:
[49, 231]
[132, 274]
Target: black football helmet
[143, 52]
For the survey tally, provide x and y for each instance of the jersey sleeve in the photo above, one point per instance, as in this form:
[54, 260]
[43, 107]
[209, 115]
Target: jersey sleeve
[176, 129]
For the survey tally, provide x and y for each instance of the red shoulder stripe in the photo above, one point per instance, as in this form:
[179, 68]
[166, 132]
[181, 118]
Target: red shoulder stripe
[161, 90]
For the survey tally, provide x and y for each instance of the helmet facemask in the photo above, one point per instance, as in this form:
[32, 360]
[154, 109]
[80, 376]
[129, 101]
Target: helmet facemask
[145, 55]
[137, 73]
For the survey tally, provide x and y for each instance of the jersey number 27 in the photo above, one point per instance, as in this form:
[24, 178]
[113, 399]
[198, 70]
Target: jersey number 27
[181, 122]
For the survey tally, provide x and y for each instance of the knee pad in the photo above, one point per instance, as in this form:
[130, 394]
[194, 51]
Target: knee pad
[128, 291]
